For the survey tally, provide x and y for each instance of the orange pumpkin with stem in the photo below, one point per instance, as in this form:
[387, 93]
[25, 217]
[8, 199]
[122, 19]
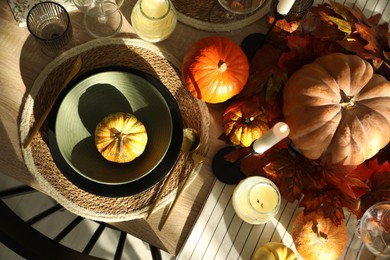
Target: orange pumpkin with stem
[338, 109]
[317, 238]
[215, 69]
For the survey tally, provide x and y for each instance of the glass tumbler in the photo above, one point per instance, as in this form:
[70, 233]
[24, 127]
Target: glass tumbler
[50, 25]
[374, 229]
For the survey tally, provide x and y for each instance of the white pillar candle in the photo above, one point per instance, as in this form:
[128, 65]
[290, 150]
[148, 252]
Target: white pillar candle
[271, 137]
[284, 6]
[256, 200]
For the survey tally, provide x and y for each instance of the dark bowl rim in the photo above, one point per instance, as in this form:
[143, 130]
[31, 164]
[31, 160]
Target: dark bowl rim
[129, 188]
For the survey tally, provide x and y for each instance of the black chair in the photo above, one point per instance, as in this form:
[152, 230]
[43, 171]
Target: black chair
[21, 237]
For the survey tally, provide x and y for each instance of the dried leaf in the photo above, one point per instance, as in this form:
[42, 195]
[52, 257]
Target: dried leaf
[342, 25]
[327, 200]
[292, 174]
[379, 183]
[348, 180]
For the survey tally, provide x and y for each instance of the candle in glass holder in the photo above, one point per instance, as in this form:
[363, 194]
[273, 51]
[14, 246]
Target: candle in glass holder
[256, 200]
[153, 20]
[271, 137]
[284, 6]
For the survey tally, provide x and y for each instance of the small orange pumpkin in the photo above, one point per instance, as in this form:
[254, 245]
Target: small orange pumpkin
[317, 238]
[245, 121]
[120, 137]
[215, 69]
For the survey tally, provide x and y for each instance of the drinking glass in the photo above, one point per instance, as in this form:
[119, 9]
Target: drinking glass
[50, 25]
[103, 18]
[374, 229]
[225, 15]
[82, 5]
[241, 6]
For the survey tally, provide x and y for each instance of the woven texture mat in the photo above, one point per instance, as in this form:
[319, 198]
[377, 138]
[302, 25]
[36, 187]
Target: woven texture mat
[98, 54]
[209, 15]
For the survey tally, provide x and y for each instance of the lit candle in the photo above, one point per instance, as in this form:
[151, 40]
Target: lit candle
[256, 200]
[271, 137]
[284, 6]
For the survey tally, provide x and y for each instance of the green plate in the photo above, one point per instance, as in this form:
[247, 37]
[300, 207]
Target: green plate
[93, 98]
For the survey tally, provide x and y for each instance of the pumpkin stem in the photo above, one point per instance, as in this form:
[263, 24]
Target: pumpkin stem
[346, 101]
[248, 120]
[316, 229]
[222, 67]
[119, 137]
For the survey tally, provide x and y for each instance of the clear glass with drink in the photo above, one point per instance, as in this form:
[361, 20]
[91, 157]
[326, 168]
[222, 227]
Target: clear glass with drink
[374, 229]
[154, 20]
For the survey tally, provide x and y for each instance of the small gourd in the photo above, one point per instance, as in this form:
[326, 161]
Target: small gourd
[120, 137]
[274, 251]
[245, 121]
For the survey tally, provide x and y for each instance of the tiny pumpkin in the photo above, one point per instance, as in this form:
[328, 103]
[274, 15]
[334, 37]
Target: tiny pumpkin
[245, 121]
[273, 251]
[338, 109]
[120, 137]
[317, 238]
[215, 69]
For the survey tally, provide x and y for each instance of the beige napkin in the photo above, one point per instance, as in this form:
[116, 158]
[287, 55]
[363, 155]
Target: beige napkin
[20, 8]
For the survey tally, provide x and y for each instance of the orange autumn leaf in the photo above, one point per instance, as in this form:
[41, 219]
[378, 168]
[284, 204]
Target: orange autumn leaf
[350, 180]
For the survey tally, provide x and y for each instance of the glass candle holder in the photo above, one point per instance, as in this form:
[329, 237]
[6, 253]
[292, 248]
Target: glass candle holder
[256, 200]
[153, 20]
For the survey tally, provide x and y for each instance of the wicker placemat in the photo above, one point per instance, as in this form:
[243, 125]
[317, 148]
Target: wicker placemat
[209, 15]
[97, 54]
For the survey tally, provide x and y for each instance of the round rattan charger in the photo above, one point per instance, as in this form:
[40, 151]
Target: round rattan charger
[211, 16]
[99, 54]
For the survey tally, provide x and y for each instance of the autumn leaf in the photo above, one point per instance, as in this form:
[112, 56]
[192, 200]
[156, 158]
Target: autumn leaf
[344, 11]
[302, 50]
[342, 25]
[379, 183]
[292, 173]
[348, 179]
[328, 200]
[263, 66]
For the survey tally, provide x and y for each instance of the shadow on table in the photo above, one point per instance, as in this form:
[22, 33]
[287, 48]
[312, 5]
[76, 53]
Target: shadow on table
[247, 238]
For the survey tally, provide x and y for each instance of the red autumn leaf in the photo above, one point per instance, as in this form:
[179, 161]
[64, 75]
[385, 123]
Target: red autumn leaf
[263, 66]
[379, 183]
[253, 164]
[292, 173]
[347, 179]
[371, 35]
[302, 50]
[328, 200]
[356, 46]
